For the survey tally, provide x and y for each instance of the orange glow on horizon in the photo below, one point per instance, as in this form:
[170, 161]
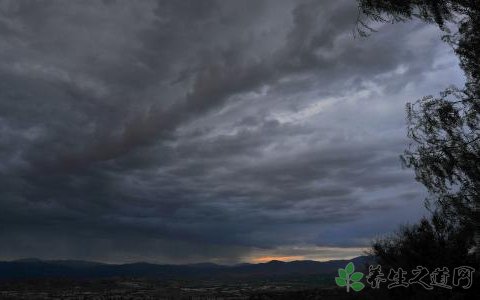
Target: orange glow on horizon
[265, 259]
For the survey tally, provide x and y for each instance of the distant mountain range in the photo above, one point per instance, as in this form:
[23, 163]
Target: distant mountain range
[35, 268]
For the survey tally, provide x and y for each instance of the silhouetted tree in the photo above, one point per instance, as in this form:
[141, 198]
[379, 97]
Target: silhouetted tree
[426, 243]
[432, 244]
[444, 130]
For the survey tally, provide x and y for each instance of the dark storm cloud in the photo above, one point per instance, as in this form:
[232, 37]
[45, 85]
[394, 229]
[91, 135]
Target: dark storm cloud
[203, 130]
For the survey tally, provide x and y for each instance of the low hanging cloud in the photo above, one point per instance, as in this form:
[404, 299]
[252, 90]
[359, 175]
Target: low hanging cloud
[183, 131]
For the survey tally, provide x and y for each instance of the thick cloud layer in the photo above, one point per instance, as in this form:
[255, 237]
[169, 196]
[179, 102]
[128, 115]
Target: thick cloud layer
[182, 131]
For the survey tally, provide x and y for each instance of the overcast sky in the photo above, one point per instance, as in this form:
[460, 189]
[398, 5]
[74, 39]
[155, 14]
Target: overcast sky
[223, 131]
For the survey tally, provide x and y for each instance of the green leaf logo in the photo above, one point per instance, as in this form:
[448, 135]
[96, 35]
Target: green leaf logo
[350, 268]
[349, 278]
[357, 286]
